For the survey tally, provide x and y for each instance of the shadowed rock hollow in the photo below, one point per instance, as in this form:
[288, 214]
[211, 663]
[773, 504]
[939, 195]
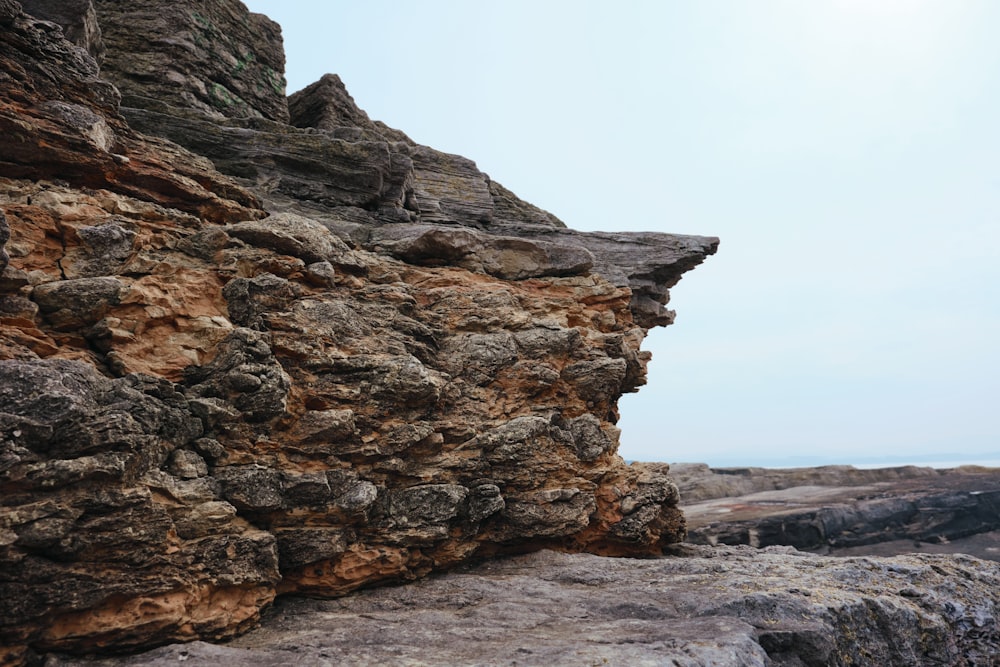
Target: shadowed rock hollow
[242, 357]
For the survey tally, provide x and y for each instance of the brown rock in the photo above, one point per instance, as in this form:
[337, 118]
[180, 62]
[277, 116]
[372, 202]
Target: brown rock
[198, 416]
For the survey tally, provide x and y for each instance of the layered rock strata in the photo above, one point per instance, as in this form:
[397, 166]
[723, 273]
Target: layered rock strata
[349, 360]
[839, 508]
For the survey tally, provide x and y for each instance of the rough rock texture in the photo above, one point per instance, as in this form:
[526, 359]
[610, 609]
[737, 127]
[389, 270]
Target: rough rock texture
[78, 20]
[350, 360]
[838, 508]
[201, 409]
[210, 55]
[60, 120]
[732, 607]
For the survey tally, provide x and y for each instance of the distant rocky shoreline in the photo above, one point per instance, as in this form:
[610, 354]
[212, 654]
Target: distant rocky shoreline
[844, 510]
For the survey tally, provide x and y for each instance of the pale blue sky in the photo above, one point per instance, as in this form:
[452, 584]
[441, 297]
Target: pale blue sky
[844, 150]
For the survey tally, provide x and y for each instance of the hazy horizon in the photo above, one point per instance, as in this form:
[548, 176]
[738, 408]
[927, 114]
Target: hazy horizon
[843, 150]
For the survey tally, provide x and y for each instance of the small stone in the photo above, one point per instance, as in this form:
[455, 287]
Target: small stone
[187, 465]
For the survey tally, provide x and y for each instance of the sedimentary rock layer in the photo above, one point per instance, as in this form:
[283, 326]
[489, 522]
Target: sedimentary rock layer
[833, 508]
[351, 360]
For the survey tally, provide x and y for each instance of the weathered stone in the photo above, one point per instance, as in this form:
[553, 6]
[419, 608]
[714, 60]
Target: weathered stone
[78, 20]
[212, 56]
[244, 353]
[326, 105]
[4, 237]
[61, 120]
[841, 508]
[187, 464]
[597, 381]
[251, 488]
[292, 235]
[75, 304]
[429, 504]
[280, 159]
[509, 258]
[590, 438]
[402, 368]
[103, 251]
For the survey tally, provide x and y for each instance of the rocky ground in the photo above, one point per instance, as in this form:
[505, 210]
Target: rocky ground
[844, 510]
[704, 606]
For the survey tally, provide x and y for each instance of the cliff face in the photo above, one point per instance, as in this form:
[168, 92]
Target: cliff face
[250, 347]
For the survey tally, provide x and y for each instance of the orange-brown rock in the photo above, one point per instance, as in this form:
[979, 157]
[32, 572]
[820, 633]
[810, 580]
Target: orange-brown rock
[201, 409]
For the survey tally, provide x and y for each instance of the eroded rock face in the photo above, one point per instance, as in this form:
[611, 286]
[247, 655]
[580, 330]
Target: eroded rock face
[60, 120]
[401, 368]
[213, 56]
[78, 20]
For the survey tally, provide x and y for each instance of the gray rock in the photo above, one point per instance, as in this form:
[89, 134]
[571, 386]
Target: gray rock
[707, 607]
[548, 513]
[310, 166]
[212, 56]
[648, 263]
[244, 352]
[590, 439]
[506, 257]
[105, 250]
[426, 504]
[187, 464]
[251, 488]
[301, 546]
[597, 381]
[76, 304]
[323, 428]
[478, 358]
[326, 105]
[77, 19]
[291, 234]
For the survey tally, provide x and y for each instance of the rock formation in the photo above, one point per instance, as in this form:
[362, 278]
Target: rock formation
[243, 357]
[835, 509]
[253, 347]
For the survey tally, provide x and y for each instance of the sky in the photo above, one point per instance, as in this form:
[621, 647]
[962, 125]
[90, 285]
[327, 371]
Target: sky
[845, 152]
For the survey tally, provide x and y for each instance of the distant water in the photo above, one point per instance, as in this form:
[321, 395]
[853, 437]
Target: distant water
[987, 460]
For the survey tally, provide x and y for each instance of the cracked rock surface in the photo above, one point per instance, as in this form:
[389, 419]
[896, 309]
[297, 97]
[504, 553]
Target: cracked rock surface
[732, 606]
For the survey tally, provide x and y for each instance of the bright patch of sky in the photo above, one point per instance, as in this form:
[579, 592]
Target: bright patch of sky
[845, 151]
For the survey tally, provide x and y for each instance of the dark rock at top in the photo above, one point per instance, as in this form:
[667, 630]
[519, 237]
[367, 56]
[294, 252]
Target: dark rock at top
[78, 20]
[442, 188]
[213, 56]
[59, 119]
[326, 105]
